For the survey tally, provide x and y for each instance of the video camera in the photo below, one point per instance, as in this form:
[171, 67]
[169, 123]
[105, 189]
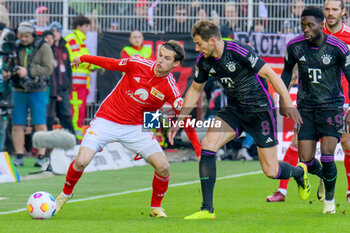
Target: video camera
[7, 49]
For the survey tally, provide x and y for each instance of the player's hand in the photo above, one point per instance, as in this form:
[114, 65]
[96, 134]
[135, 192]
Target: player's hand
[172, 133]
[76, 62]
[291, 112]
[347, 122]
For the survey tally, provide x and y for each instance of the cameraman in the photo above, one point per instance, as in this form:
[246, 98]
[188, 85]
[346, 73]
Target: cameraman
[5, 93]
[34, 64]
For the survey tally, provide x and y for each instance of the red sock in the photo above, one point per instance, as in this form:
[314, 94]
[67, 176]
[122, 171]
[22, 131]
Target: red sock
[347, 166]
[72, 178]
[292, 158]
[160, 186]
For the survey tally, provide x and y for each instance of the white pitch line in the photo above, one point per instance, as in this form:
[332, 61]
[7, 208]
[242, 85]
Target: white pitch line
[138, 190]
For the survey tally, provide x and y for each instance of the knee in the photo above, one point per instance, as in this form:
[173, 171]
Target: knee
[163, 170]
[345, 145]
[208, 145]
[80, 164]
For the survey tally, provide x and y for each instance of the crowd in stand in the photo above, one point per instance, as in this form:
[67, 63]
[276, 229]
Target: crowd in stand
[60, 92]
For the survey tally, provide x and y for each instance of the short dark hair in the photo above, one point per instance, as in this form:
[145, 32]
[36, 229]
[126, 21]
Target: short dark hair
[313, 11]
[80, 21]
[205, 29]
[342, 5]
[177, 48]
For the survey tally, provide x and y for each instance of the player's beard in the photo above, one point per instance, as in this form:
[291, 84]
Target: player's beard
[315, 39]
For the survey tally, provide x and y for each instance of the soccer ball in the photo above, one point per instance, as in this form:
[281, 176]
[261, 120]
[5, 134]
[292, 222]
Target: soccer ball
[41, 205]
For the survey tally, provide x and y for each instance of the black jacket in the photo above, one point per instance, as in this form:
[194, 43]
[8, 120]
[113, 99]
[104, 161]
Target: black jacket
[61, 79]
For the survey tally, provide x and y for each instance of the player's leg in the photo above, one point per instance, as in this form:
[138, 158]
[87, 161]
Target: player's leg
[291, 157]
[160, 182]
[97, 136]
[345, 143]
[213, 141]
[143, 142]
[329, 171]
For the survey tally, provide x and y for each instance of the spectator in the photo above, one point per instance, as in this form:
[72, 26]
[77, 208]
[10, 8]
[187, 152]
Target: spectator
[230, 24]
[4, 14]
[61, 81]
[180, 22]
[41, 19]
[141, 21]
[293, 22]
[35, 63]
[136, 47]
[80, 76]
[5, 96]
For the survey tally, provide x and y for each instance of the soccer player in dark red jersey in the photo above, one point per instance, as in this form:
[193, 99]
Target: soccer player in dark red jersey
[145, 87]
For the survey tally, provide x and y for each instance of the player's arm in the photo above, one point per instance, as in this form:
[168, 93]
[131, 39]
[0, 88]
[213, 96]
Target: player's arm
[286, 105]
[288, 74]
[345, 61]
[104, 62]
[191, 133]
[189, 103]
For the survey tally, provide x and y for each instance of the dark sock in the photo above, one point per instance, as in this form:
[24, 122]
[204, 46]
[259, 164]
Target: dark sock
[19, 156]
[286, 171]
[207, 174]
[329, 173]
[314, 167]
[41, 156]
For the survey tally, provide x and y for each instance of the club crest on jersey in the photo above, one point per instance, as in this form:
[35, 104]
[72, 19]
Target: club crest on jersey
[231, 66]
[326, 59]
[141, 93]
[157, 93]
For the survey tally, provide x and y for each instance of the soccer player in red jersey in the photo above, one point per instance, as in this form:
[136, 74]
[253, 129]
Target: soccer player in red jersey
[145, 87]
[334, 10]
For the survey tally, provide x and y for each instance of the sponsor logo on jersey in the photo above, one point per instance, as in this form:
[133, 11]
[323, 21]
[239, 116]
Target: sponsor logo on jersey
[137, 79]
[253, 60]
[131, 94]
[141, 93]
[326, 59]
[178, 103]
[123, 62]
[227, 81]
[231, 66]
[302, 59]
[212, 71]
[157, 93]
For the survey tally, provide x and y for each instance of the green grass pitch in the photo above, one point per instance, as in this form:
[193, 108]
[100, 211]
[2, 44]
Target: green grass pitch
[239, 201]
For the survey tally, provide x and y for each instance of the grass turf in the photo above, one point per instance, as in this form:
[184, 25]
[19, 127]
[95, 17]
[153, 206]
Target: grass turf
[240, 204]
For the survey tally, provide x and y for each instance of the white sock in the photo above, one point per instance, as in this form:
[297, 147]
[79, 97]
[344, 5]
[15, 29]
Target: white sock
[283, 191]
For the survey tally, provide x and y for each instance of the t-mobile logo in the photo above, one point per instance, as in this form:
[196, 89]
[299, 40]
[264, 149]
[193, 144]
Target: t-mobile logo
[315, 75]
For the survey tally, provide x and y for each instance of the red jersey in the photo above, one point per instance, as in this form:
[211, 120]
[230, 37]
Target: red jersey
[138, 91]
[343, 35]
